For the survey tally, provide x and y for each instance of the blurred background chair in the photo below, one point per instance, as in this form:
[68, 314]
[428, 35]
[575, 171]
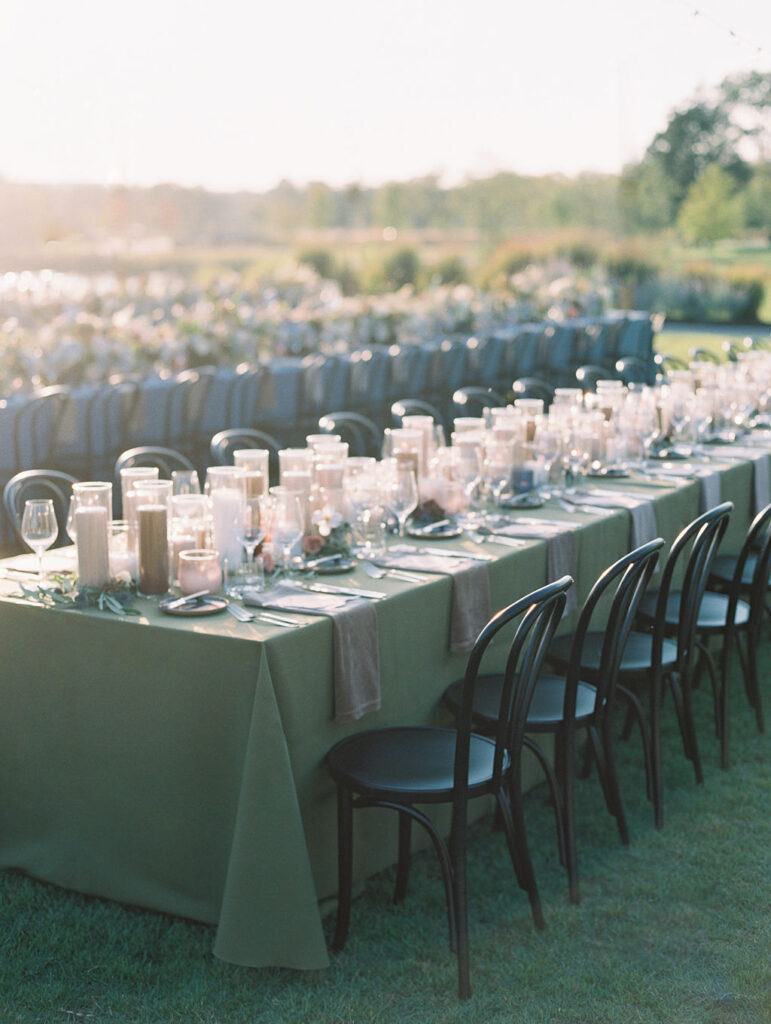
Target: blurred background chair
[224, 443]
[361, 434]
[38, 483]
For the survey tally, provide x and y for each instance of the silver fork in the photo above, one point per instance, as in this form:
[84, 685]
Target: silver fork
[274, 620]
[376, 572]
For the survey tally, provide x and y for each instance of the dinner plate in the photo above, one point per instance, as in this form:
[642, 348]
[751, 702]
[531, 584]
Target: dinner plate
[332, 568]
[430, 532]
[609, 472]
[521, 501]
[210, 604]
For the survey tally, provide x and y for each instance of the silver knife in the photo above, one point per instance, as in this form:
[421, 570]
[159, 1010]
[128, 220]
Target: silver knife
[446, 553]
[324, 588]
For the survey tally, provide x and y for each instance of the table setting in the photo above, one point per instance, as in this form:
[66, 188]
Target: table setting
[212, 725]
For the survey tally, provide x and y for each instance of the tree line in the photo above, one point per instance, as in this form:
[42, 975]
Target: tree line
[708, 173]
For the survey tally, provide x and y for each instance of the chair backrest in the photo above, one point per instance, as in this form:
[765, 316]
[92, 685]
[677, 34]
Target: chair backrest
[166, 459]
[757, 542]
[630, 369]
[224, 443]
[472, 401]
[414, 407]
[35, 427]
[624, 583]
[703, 537]
[533, 387]
[666, 362]
[540, 613]
[704, 355]
[588, 375]
[362, 435]
[109, 419]
[38, 483]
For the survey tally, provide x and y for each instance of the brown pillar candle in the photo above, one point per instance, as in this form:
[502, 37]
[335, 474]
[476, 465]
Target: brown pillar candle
[153, 549]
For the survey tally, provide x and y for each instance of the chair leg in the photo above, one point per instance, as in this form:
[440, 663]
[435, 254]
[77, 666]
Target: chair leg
[565, 740]
[681, 695]
[615, 806]
[403, 865]
[657, 688]
[551, 779]
[516, 837]
[344, 866]
[458, 855]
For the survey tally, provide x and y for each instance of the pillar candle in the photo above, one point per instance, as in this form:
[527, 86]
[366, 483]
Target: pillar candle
[153, 549]
[227, 512]
[92, 546]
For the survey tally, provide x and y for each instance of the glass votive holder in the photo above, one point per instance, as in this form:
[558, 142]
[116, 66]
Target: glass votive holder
[88, 494]
[128, 478]
[245, 573]
[199, 570]
[123, 558]
[185, 481]
[255, 465]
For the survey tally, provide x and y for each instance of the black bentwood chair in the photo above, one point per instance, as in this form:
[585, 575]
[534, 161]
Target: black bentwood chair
[670, 614]
[166, 459]
[224, 443]
[567, 701]
[362, 435]
[398, 768]
[473, 401]
[38, 483]
[650, 659]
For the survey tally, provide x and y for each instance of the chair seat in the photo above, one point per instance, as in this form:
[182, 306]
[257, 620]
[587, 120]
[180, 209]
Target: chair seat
[414, 762]
[548, 699]
[723, 570]
[636, 659]
[713, 612]
[546, 706]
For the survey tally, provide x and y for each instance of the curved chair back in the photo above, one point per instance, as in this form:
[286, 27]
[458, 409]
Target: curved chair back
[630, 369]
[703, 536]
[540, 614]
[109, 419]
[665, 362]
[362, 435]
[224, 443]
[414, 407]
[757, 543]
[588, 375]
[472, 401]
[35, 427]
[166, 459]
[38, 483]
[533, 387]
[626, 581]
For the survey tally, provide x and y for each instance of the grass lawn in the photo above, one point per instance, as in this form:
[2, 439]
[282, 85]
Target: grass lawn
[679, 340]
[675, 928]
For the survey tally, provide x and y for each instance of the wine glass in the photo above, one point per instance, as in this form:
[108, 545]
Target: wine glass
[39, 527]
[288, 523]
[403, 496]
[251, 533]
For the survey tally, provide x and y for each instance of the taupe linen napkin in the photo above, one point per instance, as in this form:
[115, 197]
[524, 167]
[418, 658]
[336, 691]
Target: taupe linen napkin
[560, 550]
[644, 527]
[470, 610]
[710, 489]
[355, 643]
[760, 475]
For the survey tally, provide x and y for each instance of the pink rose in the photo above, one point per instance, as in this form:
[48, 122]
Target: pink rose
[312, 544]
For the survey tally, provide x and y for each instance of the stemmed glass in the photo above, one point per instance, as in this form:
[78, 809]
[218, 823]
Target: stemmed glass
[288, 523]
[403, 496]
[251, 533]
[39, 527]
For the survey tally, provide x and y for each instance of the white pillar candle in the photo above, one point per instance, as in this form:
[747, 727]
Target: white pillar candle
[227, 512]
[92, 546]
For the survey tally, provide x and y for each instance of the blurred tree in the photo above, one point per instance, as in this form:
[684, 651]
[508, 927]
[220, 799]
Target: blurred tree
[712, 209]
[401, 268]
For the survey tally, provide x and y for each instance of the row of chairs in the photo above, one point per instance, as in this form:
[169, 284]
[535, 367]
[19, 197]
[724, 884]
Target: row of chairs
[652, 641]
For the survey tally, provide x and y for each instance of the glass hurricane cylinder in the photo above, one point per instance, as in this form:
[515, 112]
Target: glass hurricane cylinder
[199, 570]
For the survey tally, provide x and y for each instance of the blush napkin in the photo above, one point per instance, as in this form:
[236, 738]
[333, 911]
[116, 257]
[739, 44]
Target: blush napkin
[354, 626]
[470, 611]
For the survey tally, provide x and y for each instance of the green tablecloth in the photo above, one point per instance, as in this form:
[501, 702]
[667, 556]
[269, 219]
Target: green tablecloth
[177, 763]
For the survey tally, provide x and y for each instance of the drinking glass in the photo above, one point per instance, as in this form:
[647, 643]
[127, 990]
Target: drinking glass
[403, 496]
[185, 481]
[39, 527]
[288, 523]
[251, 534]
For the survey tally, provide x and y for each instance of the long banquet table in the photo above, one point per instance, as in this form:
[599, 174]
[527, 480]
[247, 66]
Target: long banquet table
[176, 763]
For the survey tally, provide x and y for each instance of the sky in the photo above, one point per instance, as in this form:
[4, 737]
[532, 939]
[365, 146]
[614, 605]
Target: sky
[232, 95]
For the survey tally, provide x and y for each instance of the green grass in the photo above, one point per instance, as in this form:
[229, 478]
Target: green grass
[679, 341]
[674, 928]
